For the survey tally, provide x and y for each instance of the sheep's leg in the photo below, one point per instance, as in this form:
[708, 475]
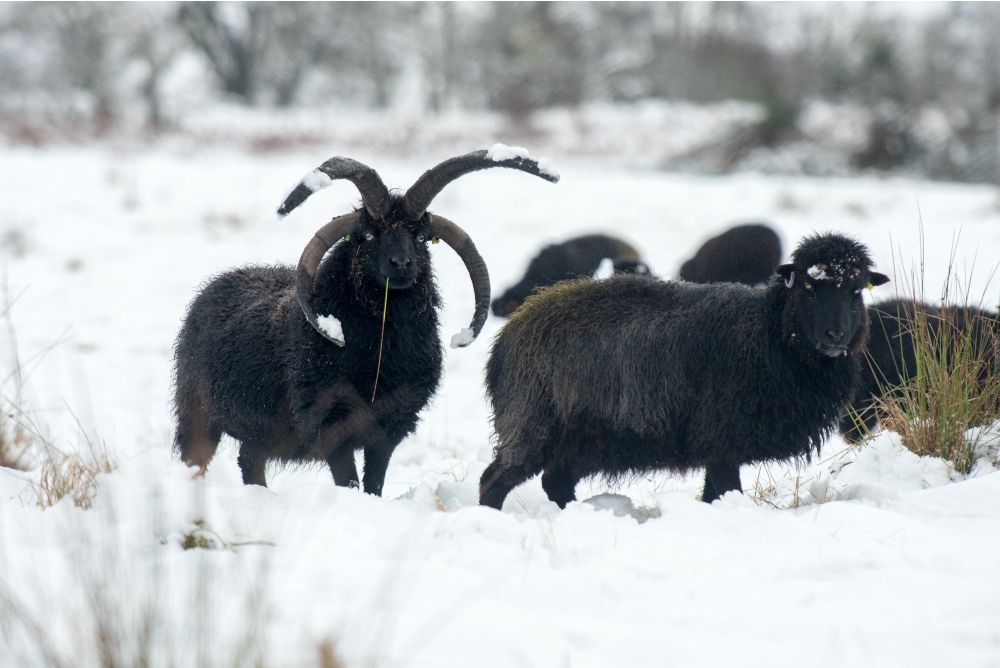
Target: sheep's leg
[719, 479]
[497, 482]
[559, 482]
[196, 439]
[376, 464]
[343, 468]
[252, 465]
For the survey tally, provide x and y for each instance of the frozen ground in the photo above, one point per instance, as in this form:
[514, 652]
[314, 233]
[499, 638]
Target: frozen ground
[105, 248]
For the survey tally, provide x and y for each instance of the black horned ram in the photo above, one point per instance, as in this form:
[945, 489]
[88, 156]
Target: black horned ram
[314, 362]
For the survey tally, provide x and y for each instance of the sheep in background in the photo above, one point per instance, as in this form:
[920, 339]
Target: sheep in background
[575, 258]
[892, 361]
[744, 254]
[632, 375]
[255, 361]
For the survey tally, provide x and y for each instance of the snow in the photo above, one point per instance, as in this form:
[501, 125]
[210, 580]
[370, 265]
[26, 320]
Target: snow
[463, 338]
[502, 152]
[866, 556]
[316, 180]
[606, 269]
[816, 273]
[331, 327]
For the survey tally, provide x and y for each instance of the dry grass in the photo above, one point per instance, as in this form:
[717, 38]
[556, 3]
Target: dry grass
[788, 491]
[954, 388]
[328, 657]
[69, 474]
[15, 443]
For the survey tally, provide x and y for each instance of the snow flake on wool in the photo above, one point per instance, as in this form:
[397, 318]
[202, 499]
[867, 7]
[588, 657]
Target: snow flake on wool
[832, 272]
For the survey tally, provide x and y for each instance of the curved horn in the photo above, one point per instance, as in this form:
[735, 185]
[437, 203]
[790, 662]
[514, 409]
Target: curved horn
[461, 243]
[373, 192]
[422, 193]
[305, 274]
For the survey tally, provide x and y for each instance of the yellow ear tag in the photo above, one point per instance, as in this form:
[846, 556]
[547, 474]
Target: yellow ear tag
[870, 286]
[435, 240]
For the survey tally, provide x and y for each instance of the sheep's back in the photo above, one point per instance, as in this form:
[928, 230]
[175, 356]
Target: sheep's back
[630, 352]
[234, 337]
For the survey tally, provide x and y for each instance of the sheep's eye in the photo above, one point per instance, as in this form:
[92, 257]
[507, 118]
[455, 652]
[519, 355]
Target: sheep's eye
[369, 236]
[420, 238]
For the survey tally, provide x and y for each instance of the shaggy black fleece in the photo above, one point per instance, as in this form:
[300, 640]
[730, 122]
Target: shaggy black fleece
[575, 258]
[247, 363]
[631, 374]
[744, 254]
[892, 361]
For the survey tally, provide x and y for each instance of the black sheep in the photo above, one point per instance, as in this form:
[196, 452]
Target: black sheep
[892, 361]
[744, 254]
[631, 374]
[253, 359]
[575, 258]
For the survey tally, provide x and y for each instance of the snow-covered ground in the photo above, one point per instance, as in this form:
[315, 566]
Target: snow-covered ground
[105, 247]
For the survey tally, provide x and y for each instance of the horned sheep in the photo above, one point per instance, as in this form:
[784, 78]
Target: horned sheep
[633, 375]
[315, 362]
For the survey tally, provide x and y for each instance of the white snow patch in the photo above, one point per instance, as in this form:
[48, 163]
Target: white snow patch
[622, 506]
[545, 168]
[816, 273]
[331, 327]
[501, 152]
[463, 338]
[884, 469]
[316, 180]
[606, 269]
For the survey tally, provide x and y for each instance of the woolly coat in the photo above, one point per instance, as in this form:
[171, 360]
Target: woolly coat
[705, 376]
[266, 367]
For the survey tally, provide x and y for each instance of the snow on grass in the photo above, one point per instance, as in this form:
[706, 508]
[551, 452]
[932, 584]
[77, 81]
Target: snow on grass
[896, 568]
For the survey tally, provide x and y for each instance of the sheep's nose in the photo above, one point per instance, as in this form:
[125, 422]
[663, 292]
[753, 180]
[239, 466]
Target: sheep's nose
[401, 262]
[835, 335]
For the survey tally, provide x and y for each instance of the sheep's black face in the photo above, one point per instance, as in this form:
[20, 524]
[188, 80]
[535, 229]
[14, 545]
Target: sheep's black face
[394, 251]
[831, 316]
[824, 310]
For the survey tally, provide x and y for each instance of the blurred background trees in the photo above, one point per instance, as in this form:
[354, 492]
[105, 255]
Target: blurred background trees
[926, 77]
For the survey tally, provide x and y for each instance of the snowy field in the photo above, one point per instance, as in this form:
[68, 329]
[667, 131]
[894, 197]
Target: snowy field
[105, 248]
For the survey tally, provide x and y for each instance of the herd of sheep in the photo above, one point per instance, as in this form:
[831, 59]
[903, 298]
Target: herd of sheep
[741, 360]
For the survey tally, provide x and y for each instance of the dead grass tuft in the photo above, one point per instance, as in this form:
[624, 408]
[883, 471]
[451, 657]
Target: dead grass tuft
[954, 389]
[328, 657]
[72, 475]
[15, 443]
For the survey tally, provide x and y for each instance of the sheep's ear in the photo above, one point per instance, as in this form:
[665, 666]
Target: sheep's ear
[785, 271]
[875, 278]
